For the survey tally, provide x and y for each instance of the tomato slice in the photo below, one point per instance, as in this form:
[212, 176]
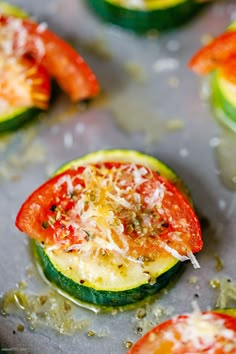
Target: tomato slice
[23, 83]
[22, 36]
[229, 69]
[121, 206]
[192, 333]
[214, 54]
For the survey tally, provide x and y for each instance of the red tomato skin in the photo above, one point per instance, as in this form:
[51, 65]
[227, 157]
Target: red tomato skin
[37, 207]
[215, 54]
[61, 61]
[196, 242]
[31, 77]
[43, 88]
[139, 346]
[229, 69]
[30, 213]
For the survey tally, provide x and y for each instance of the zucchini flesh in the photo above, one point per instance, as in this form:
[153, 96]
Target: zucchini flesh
[109, 280]
[89, 294]
[227, 311]
[224, 99]
[12, 10]
[156, 15]
[146, 5]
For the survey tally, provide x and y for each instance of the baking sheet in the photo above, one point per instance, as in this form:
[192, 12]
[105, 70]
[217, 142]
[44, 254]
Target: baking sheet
[152, 103]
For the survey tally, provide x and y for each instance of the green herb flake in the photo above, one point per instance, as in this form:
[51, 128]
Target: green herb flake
[45, 225]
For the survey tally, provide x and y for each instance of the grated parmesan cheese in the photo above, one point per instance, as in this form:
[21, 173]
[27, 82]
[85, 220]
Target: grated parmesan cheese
[42, 27]
[173, 252]
[201, 330]
[117, 209]
[14, 38]
[193, 260]
[65, 179]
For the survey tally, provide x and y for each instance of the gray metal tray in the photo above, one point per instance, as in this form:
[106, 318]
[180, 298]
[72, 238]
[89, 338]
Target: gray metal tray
[152, 103]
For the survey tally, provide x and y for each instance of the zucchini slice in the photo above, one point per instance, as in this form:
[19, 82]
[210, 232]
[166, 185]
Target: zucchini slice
[15, 118]
[96, 239]
[24, 91]
[197, 332]
[111, 284]
[218, 58]
[224, 99]
[144, 15]
[24, 85]
[224, 94]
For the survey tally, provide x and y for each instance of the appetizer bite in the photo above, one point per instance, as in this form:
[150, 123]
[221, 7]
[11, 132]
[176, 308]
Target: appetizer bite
[218, 59]
[30, 55]
[145, 15]
[112, 227]
[208, 332]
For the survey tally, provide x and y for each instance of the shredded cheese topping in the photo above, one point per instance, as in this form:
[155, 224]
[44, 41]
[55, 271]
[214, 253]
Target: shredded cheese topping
[15, 86]
[200, 332]
[15, 39]
[19, 84]
[120, 208]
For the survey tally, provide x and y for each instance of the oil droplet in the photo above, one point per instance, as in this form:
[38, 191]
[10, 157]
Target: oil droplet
[91, 334]
[193, 280]
[67, 306]
[141, 313]
[140, 117]
[135, 71]
[43, 310]
[22, 285]
[139, 330]
[218, 263]
[3, 312]
[20, 328]
[128, 344]
[215, 283]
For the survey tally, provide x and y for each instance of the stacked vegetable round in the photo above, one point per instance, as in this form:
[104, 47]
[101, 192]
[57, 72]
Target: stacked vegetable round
[218, 58]
[30, 55]
[112, 227]
[208, 332]
[145, 15]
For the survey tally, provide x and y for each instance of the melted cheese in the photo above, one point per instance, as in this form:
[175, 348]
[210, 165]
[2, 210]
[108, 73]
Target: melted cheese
[202, 331]
[117, 209]
[14, 38]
